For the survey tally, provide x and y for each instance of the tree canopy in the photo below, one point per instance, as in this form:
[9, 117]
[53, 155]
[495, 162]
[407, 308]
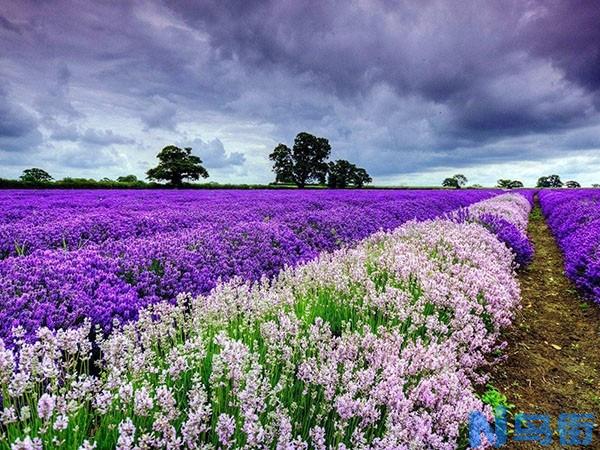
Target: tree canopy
[35, 175]
[283, 164]
[457, 181]
[127, 179]
[572, 184]
[177, 164]
[342, 173]
[551, 181]
[307, 162]
[509, 184]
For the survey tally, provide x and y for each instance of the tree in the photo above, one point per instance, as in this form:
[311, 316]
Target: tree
[509, 184]
[127, 179]
[360, 177]
[552, 181]
[339, 173]
[456, 182]
[342, 173]
[450, 182]
[177, 164]
[304, 163]
[572, 184]
[596, 185]
[283, 165]
[35, 175]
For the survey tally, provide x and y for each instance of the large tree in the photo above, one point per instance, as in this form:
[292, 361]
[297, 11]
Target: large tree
[457, 181]
[572, 184]
[306, 162]
[177, 164]
[342, 173]
[35, 175]
[552, 181]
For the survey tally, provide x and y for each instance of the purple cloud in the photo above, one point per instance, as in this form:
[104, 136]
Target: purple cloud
[399, 87]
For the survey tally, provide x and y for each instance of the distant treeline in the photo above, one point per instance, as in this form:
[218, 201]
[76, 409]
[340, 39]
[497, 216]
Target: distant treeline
[305, 165]
[89, 183]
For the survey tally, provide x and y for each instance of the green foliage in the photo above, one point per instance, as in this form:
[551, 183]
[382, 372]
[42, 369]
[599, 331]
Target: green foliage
[309, 155]
[456, 182]
[551, 181]
[509, 184]
[495, 398]
[283, 165]
[304, 163]
[36, 176]
[127, 179]
[536, 214]
[342, 174]
[572, 184]
[361, 177]
[177, 164]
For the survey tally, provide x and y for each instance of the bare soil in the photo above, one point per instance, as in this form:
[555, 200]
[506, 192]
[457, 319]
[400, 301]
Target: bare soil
[553, 357]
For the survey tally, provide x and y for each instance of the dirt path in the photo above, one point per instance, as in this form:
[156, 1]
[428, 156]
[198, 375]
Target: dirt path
[553, 363]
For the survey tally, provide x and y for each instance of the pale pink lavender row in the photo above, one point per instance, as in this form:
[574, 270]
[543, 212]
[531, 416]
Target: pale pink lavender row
[507, 217]
[574, 218]
[140, 247]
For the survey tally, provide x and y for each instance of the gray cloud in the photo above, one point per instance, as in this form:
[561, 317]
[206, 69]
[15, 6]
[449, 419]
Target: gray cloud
[90, 136]
[160, 113]
[398, 87]
[214, 156]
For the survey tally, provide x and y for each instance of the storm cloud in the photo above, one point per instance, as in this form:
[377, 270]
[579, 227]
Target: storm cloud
[407, 89]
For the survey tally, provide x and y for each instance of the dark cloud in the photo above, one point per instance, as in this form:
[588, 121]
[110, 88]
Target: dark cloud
[397, 86]
[8, 25]
[18, 128]
[567, 33]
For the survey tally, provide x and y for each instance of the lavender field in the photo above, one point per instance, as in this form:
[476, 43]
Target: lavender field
[69, 255]
[253, 319]
[574, 218]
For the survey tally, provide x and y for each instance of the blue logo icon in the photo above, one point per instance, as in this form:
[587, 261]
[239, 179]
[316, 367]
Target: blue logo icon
[573, 429]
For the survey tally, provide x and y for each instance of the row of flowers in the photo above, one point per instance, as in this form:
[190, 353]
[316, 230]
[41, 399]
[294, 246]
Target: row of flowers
[574, 218]
[70, 220]
[187, 243]
[377, 346]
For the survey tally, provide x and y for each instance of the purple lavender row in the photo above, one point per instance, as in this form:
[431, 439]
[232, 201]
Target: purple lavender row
[574, 218]
[70, 220]
[506, 216]
[117, 277]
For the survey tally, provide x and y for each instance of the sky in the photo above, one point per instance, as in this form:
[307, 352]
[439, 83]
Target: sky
[413, 91]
